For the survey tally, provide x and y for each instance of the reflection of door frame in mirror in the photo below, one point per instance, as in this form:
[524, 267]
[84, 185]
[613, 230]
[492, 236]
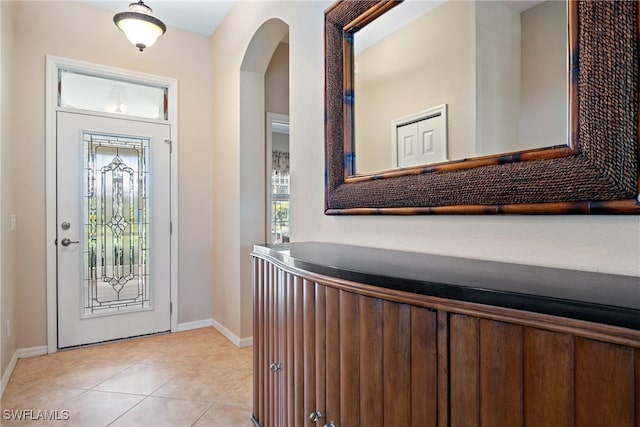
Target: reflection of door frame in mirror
[587, 176]
[271, 120]
[439, 113]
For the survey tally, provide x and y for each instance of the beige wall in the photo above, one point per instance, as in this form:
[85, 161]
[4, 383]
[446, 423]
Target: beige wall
[7, 193]
[77, 31]
[276, 81]
[238, 164]
[497, 78]
[544, 76]
[594, 243]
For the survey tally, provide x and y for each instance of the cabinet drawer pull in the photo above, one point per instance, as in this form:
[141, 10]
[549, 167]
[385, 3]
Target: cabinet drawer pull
[275, 367]
[315, 416]
[331, 424]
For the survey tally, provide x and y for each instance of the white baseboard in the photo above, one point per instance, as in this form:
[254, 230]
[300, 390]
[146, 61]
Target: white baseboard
[20, 354]
[236, 340]
[8, 372]
[32, 351]
[246, 342]
[187, 326]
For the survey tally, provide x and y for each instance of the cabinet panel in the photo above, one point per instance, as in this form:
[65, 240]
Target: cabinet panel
[548, 378]
[371, 359]
[464, 370]
[320, 348]
[397, 364]
[298, 352]
[501, 367]
[333, 354]
[309, 325]
[604, 384]
[270, 407]
[349, 360]
[290, 362]
[442, 367]
[277, 343]
[424, 405]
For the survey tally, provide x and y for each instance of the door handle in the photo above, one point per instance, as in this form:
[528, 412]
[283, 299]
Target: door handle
[67, 242]
[275, 367]
[314, 417]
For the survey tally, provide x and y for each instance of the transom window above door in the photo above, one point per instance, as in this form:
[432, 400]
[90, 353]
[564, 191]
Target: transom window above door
[105, 95]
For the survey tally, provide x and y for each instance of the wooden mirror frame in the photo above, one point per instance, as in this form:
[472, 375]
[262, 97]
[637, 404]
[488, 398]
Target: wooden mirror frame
[596, 173]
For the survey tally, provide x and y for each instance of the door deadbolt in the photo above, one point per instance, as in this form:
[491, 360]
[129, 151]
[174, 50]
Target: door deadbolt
[65, 225]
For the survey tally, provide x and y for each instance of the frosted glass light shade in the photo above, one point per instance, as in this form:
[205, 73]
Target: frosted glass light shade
[140, 28]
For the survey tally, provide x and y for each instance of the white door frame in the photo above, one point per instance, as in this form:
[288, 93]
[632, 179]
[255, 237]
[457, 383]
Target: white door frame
[53, 65]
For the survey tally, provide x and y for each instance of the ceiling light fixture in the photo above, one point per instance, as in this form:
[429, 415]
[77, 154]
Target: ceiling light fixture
[141, 28]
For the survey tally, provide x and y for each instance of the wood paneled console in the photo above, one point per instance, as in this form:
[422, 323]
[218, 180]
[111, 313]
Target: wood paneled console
[347, 336]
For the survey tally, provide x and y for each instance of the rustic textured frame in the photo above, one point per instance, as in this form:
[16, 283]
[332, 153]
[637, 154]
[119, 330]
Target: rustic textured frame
[596, 173]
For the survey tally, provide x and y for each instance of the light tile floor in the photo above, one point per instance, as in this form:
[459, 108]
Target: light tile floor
[193, 378]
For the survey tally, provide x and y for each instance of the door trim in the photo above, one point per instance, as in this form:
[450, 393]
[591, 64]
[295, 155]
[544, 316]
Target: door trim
[53, 65]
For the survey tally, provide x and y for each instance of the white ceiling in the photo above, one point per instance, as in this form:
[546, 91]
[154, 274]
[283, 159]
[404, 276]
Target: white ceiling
[393, 20]
[522, 5]
[411, 10]
[204, 16]
[201, 17]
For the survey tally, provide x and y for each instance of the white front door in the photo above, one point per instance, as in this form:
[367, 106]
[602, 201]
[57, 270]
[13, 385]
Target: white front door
[112, 228]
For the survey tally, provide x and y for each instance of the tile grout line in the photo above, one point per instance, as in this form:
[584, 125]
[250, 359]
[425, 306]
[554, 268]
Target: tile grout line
[107, 379]
[202, 415]
[127, 411]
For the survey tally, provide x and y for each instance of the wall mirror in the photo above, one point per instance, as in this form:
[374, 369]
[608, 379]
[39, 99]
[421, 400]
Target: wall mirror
[585, 155]
[501, 68]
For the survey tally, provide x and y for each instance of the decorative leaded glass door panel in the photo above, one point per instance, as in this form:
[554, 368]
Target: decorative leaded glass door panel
[113, 228]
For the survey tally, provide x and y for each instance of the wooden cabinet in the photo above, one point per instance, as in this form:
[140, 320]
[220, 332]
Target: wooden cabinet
[504, 374]
[361, 355]
[387, 363]
[354, 359]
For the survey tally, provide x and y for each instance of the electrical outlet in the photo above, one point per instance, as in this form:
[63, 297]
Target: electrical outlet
[8, 328]
[13, 222]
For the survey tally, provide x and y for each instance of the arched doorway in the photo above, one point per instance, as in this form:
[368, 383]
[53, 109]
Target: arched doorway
[252, 152]
[277, 130]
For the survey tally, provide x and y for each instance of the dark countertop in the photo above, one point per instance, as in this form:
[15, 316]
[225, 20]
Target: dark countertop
[596, 297]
